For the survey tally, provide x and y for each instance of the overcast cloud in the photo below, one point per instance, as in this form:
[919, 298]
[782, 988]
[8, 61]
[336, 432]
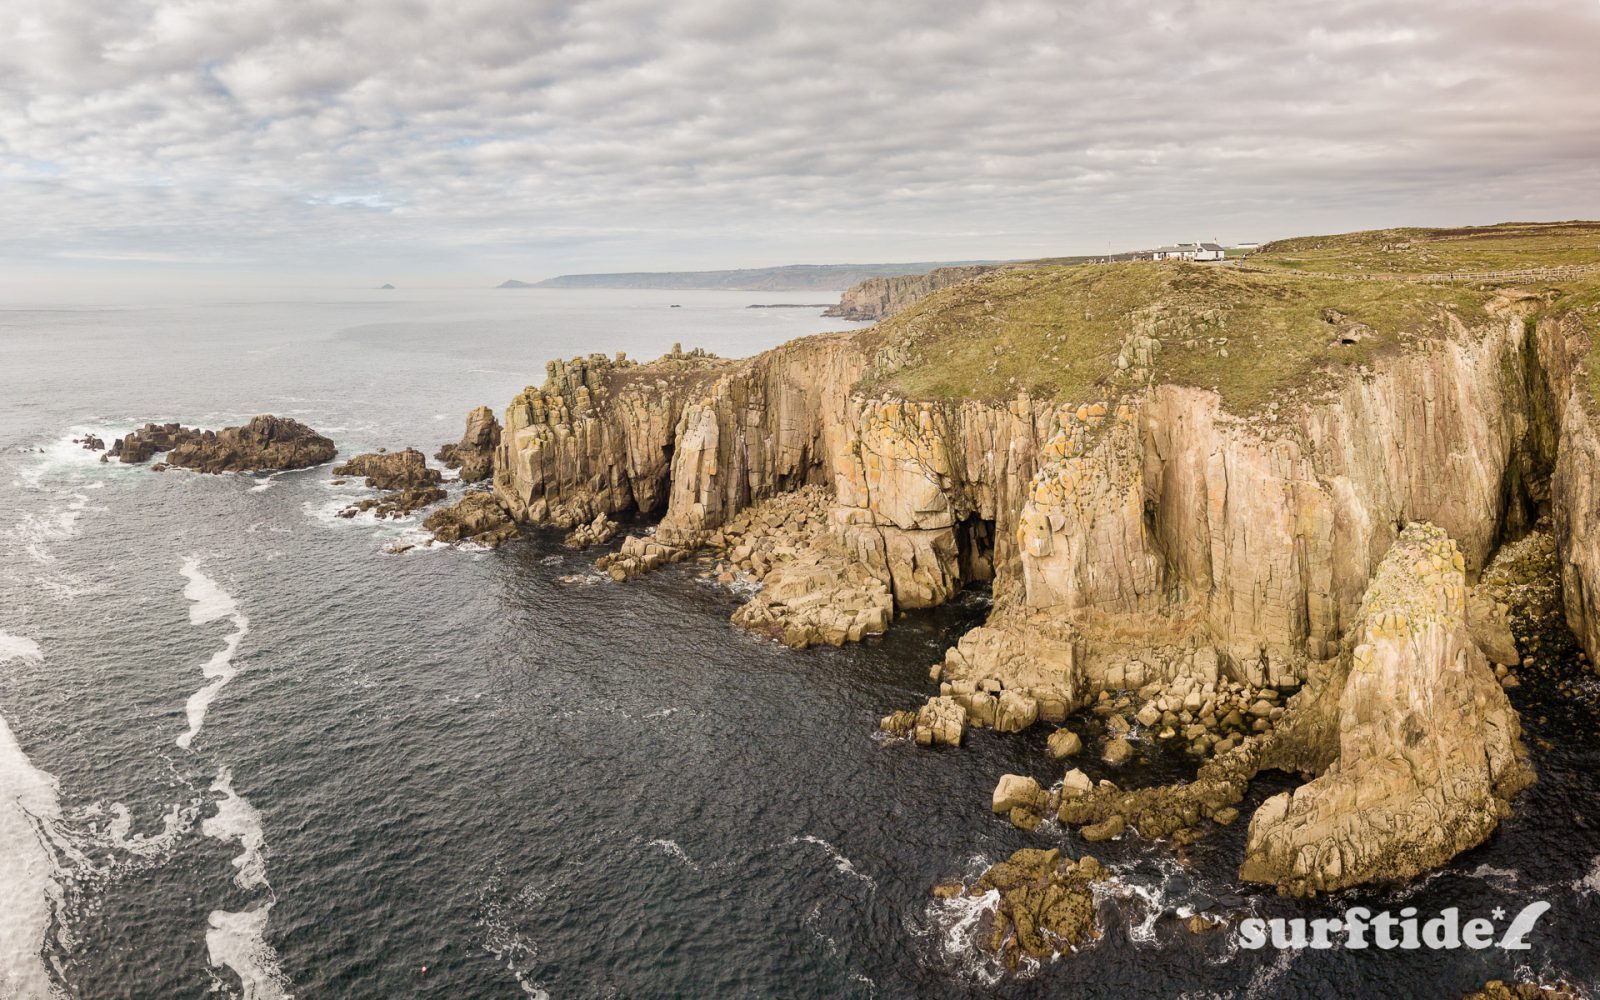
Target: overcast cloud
[473, 140]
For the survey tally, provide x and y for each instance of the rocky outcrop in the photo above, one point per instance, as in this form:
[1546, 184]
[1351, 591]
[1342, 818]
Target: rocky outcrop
[265, 443]
[478, 518]
[474, 453]
[880, 298]
[391, 470]
[408, 483]
[1429, 750]
[148, 441]
[1044, 904]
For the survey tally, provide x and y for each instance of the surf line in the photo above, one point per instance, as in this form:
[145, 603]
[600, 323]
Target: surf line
[31, 845]
[208, 603]
[236, 940]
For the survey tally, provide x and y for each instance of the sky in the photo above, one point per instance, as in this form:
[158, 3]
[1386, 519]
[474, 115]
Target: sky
[463, 142]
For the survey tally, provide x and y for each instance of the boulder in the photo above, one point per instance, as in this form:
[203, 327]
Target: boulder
[941, 721]
[1064, 743]
[1014, 791]
[1117, 751]
[1046, 905]
[1105, 830]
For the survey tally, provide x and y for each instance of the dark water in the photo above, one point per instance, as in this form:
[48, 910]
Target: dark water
[526, 782]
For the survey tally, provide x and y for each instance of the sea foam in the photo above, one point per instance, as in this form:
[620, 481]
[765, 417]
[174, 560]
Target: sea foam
[238, 941]
[210, 603]
[30, 813]
[236, 819]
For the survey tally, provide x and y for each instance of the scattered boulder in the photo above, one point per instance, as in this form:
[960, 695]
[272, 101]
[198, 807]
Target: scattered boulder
[1063, 743]
[1076, 783]
[474, 453]
[1016, 790]
[477, 517]
[1117, 751]
[898, 723]
[597, 532]
[90, 442]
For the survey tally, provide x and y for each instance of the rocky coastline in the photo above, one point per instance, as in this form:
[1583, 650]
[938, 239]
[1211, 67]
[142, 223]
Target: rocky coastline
[1271, 554]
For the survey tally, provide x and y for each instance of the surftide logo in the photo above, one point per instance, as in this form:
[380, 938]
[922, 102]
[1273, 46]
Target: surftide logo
[1361, 928]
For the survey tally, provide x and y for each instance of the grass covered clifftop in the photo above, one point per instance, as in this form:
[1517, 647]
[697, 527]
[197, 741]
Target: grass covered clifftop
[1087, 332]
[1509, 246]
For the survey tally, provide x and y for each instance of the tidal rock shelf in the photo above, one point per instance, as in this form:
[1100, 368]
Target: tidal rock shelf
[1241, 511]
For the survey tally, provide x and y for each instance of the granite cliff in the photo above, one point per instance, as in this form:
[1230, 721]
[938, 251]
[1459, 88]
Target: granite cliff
[1225, 495]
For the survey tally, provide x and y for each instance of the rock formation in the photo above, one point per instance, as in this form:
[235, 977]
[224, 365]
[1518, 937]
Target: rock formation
[478, 518]
[1188, 535]
[265, 443]
[474, 453]
[1044, 906]
[1429, 753]
[390, 470]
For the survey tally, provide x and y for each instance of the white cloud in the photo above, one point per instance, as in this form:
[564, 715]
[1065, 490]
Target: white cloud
[518, 138]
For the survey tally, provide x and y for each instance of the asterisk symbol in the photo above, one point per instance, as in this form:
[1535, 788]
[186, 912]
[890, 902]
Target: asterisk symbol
[1499, 913]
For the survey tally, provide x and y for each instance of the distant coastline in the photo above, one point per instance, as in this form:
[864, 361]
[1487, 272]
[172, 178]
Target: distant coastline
[792, 277]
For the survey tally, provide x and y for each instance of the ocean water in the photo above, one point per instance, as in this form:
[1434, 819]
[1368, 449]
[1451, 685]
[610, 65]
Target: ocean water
[245, 750]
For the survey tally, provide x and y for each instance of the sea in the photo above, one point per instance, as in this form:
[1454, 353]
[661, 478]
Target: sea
[249, 750]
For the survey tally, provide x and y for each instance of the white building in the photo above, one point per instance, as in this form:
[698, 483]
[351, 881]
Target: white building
[1209, 251]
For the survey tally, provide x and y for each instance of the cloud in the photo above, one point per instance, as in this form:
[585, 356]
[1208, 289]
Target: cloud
[621, 133]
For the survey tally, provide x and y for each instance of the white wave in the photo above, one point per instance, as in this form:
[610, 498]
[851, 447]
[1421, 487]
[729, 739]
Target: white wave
[237, 819]
[30, 812]
[238, 941]
[672, 850]
[841, 863]
[211, 602]
[956, 923]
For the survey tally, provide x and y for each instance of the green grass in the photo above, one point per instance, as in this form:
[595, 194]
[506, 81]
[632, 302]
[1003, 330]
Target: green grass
[1057, 332]
[1504, 247]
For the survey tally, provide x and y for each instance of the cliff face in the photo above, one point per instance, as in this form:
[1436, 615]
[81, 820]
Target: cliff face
[1152, 536]
[880, 298]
